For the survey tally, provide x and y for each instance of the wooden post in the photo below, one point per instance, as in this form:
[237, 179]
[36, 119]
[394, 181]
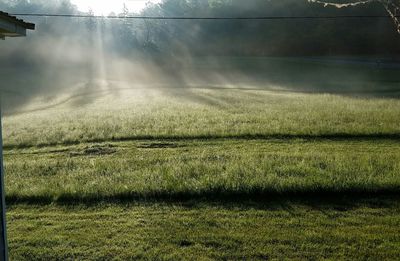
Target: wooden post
[3, 236]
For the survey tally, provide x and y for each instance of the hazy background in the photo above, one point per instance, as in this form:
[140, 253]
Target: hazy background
[84, 55]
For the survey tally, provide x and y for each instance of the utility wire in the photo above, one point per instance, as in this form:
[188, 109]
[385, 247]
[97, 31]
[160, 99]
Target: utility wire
[210, 18]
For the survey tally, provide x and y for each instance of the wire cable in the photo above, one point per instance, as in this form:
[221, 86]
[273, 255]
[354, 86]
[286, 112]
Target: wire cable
[208, 18]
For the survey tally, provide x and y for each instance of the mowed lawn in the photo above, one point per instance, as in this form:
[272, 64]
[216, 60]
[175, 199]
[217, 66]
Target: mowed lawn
[183, 174]
[367, 229]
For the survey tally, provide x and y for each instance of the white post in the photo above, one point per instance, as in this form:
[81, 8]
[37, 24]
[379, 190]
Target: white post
[3, 239]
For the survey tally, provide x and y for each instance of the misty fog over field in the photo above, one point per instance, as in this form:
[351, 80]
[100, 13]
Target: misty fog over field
[227, 130]
[74, 57]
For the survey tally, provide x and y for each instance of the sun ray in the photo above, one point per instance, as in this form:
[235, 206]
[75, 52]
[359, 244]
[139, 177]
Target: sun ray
[111, 6]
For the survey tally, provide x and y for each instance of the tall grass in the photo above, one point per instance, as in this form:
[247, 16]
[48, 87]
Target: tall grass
[203, 169]
[165, 113]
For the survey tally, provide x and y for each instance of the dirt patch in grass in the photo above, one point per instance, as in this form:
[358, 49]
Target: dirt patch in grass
[159, 145]
[95, 150]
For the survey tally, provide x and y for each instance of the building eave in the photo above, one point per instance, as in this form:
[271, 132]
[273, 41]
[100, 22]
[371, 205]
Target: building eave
[10, 26]
[12, 19]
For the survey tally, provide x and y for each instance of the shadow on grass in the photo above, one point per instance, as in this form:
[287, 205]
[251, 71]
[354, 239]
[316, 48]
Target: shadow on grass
[306, 137]
[337, 200]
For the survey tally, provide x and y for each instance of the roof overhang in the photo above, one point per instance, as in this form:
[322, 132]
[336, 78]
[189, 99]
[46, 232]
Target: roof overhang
[10, 26]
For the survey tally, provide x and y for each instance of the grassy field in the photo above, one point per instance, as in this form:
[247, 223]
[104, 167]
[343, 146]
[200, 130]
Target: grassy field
[183, 174]
[120, 114]
[187, 169]
[301, 230]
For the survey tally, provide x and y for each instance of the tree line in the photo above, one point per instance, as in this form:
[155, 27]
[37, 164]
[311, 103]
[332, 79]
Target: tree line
[346, 36]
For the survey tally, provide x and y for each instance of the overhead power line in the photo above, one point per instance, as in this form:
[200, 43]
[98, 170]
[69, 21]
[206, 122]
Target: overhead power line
[210, 18]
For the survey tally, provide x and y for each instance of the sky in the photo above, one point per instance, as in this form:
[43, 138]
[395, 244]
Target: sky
[105, 7]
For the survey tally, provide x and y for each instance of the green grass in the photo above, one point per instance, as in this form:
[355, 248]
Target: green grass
[301, 230]
[184, 174]
[186, 169]
[199, 113]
